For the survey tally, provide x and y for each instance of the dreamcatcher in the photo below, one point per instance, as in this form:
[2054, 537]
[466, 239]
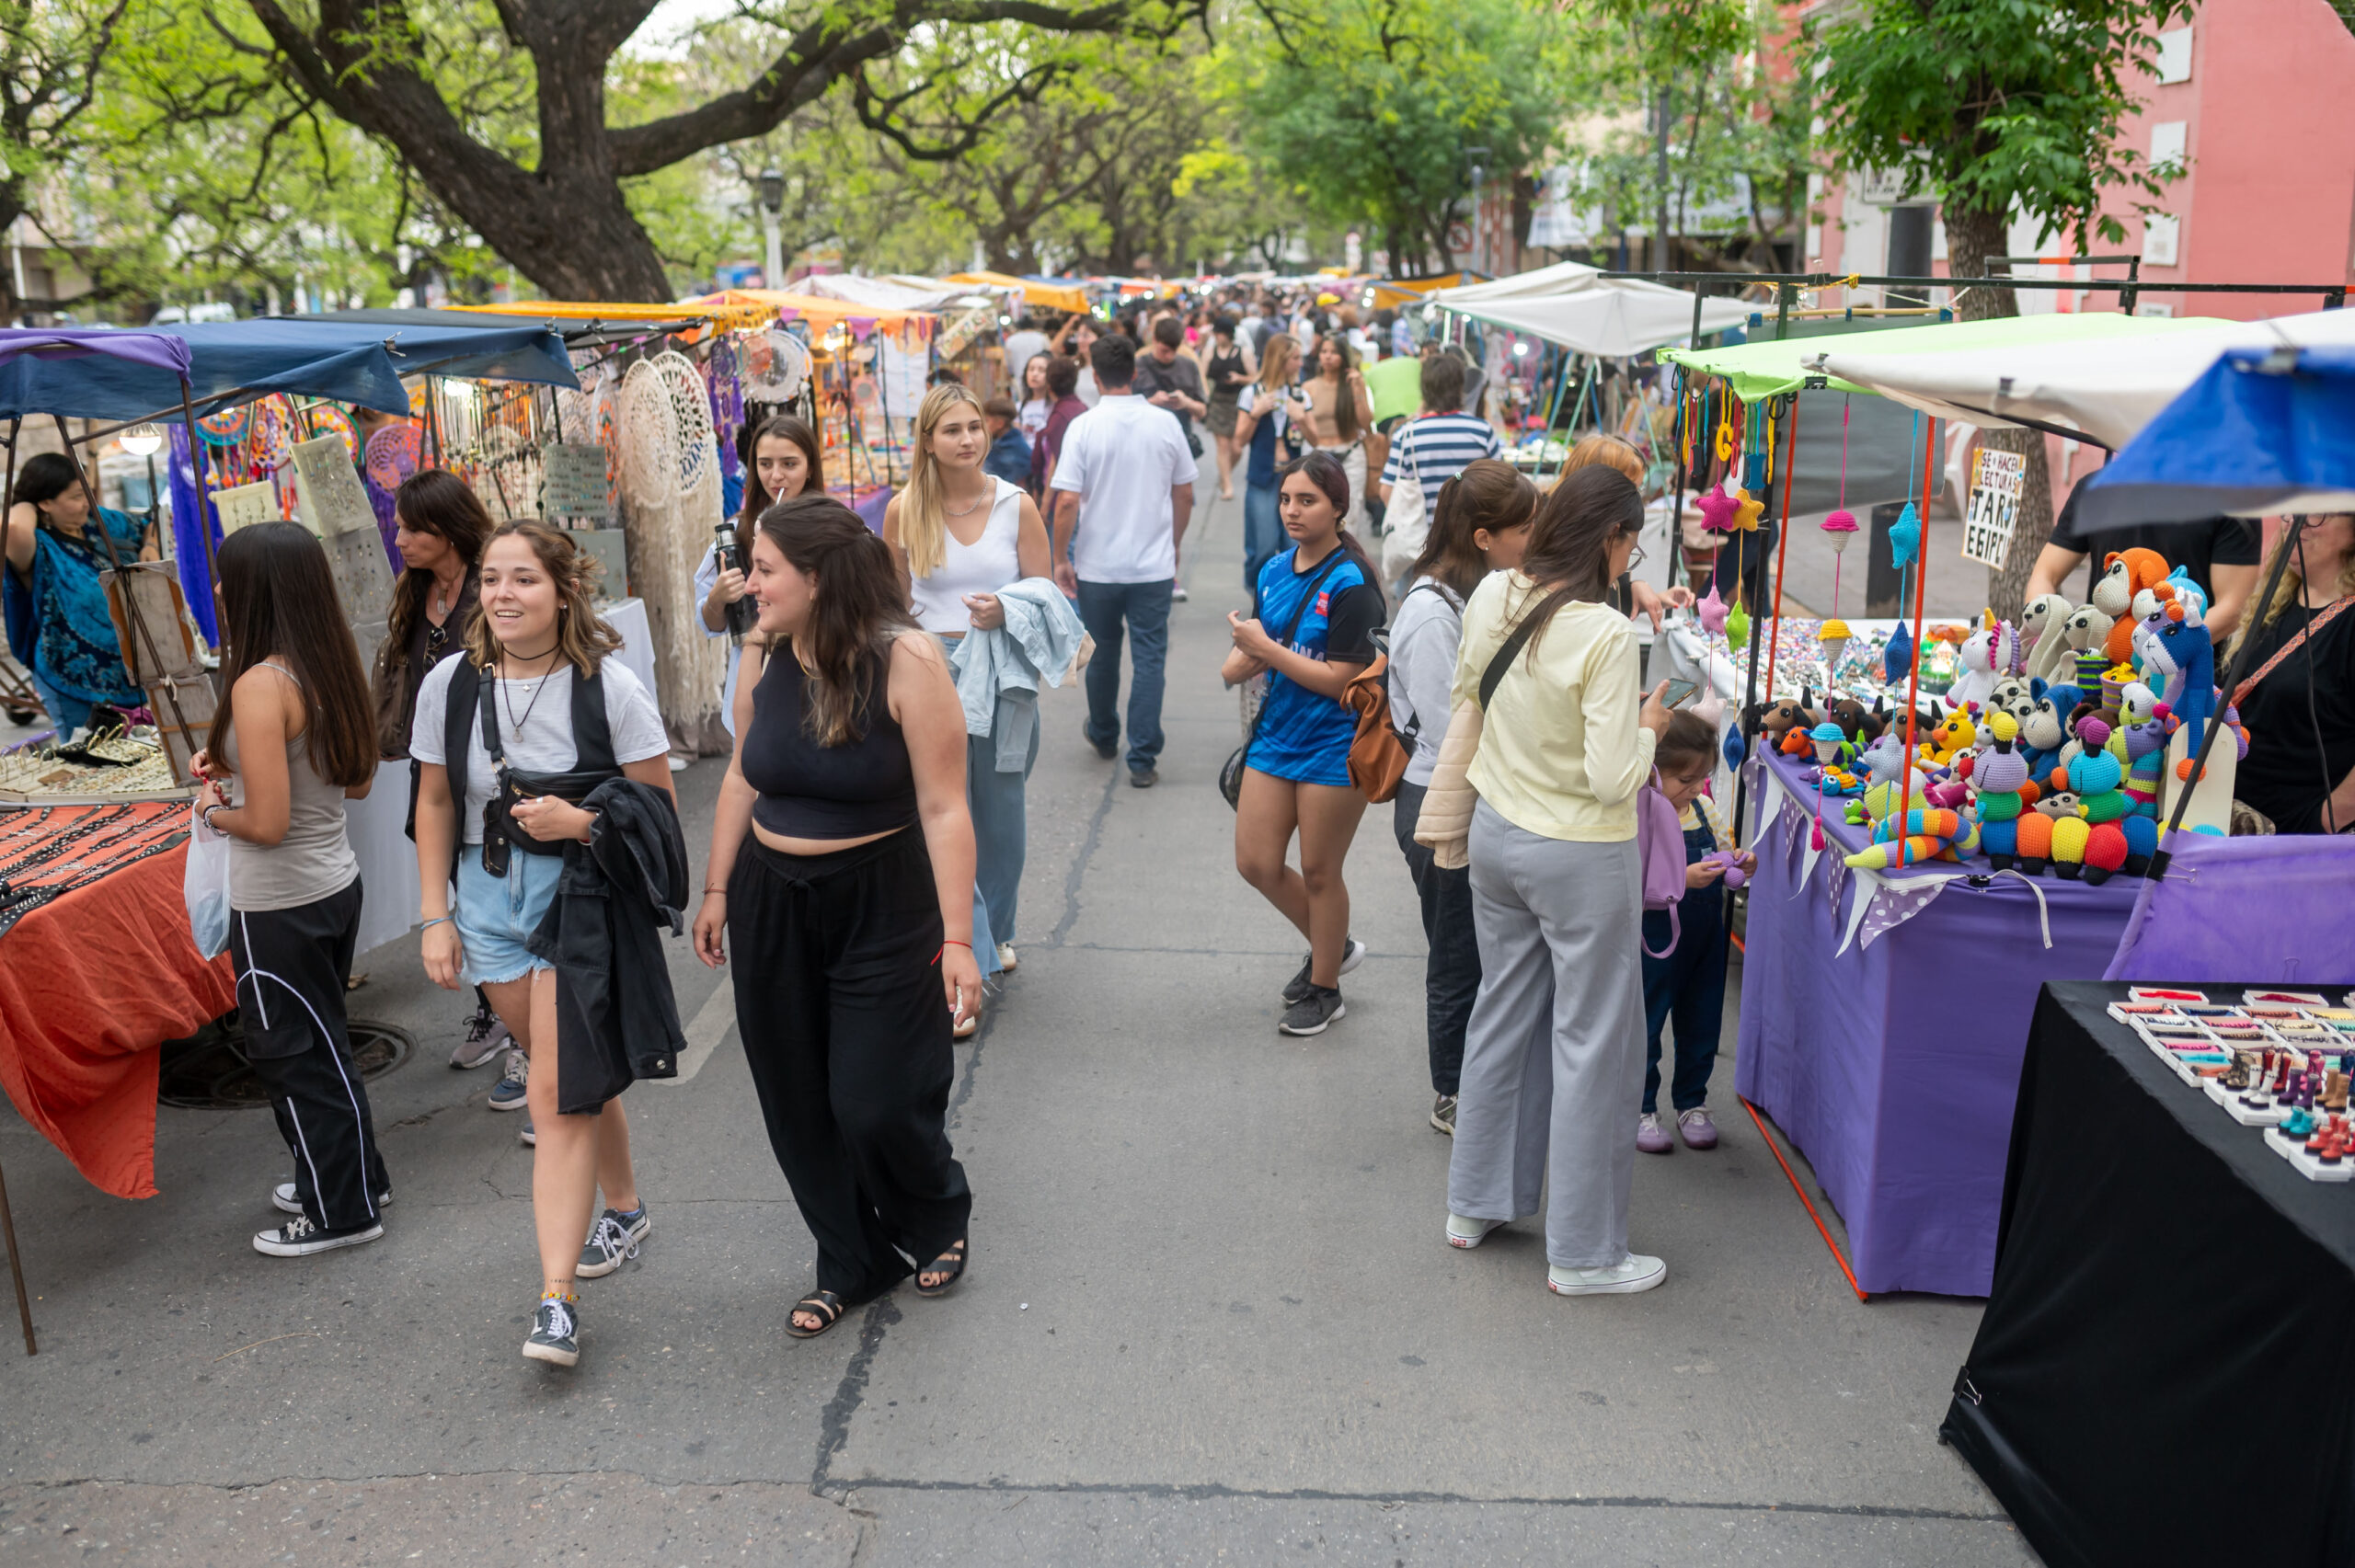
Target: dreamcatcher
[393, 453]
[776, 368]
[325, 419]
[671, 475]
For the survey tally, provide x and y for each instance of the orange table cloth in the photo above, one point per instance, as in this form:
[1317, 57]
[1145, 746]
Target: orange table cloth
[92, 984]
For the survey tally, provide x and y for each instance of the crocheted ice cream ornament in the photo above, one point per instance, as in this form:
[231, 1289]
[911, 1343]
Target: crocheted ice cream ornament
[1841, 526]
[1834, 639]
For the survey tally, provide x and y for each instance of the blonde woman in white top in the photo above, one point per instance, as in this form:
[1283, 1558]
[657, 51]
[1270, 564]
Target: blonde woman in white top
[1565, 742]
[959, 535]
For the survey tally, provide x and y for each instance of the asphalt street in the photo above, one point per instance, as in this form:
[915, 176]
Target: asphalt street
[1211, 1317]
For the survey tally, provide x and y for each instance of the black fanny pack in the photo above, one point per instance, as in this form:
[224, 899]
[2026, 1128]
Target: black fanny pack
[512, 786]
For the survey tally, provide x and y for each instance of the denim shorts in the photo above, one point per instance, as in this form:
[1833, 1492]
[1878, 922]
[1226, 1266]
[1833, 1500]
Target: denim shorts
[495, 915]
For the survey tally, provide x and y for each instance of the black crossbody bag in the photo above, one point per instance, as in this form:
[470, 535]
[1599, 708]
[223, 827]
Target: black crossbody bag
[1230, 777]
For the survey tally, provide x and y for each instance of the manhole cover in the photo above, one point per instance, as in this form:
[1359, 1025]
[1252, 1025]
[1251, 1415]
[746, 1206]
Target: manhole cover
[208, 1071]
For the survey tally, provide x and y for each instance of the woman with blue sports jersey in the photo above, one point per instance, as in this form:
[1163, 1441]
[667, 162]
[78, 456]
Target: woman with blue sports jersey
[1312, 630]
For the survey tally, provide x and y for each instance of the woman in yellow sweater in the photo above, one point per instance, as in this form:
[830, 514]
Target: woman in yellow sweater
[1554, 1056]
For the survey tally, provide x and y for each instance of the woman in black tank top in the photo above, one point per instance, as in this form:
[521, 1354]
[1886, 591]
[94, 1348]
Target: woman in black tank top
[841, 858]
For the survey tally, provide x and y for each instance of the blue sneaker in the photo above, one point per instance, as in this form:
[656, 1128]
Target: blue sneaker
[508, 1094]
[531, 1139]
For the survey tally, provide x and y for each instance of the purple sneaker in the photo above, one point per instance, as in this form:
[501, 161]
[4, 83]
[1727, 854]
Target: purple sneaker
[1695, 1128]
[1651, 1137]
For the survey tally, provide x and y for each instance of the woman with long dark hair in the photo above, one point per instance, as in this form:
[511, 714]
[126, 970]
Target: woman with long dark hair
[439, 526]
[842, 859]
[1311, 631]
[1062, 385]
[1340, 415]
[540, 682]
[56, 540]
[1557, 895]
[1224, 374]
[1481, 524]
[787, 462]
[297, 739]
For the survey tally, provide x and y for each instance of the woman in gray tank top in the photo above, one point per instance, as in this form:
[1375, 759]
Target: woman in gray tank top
[295, 740]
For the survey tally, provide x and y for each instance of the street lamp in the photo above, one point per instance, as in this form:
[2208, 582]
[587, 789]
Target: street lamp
[146, 441]
[1479, 171]
[770, 190]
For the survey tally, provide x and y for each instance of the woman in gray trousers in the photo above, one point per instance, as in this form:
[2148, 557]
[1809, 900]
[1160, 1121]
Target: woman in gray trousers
[1554, 1056]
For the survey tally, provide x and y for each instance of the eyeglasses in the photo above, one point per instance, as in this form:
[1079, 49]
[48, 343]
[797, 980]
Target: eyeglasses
[1635, 557]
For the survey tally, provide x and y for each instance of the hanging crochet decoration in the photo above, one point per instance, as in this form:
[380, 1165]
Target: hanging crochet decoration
[671, 479]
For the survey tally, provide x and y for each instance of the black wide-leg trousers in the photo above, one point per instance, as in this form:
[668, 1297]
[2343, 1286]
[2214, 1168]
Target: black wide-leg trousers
[839, 1004]
[292, 966]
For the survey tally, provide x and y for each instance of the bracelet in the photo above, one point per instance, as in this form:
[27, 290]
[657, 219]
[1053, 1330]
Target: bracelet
[721, 891]
[952, 942]
[437, 919]
[206, 815]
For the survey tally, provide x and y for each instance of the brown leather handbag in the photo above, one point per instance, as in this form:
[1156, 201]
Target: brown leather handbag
[1378, 756]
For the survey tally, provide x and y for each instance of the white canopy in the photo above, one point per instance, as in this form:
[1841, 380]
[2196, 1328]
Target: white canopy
[2105, 388]
[1610, 316]
[1558, 279]
[883, 294]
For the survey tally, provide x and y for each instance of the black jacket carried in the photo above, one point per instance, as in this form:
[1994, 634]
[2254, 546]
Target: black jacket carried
[617, 1021]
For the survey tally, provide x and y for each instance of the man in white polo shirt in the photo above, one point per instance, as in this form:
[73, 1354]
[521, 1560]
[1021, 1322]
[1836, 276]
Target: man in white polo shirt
[1124, 480]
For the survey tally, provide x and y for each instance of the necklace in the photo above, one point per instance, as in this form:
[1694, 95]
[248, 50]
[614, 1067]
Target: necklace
[507, 698]
[965, 512]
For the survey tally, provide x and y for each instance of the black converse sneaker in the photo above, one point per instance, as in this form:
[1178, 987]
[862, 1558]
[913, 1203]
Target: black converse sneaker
[299, 1238]
[616, 1236]
[1312, 1012]
[1298, 987]
[556, 1331]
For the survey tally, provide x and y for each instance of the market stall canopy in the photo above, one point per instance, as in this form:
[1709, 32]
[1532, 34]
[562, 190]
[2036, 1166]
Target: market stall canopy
[880, 294]
[1562, 277]
[1391, 293]
[1038, 293]
[576, 333]
[2100, 387]
[1762, 370]
[747, 308]
[647, 318]
[457, 343]
[1612, 318]
[2265, 432]
[235, 361]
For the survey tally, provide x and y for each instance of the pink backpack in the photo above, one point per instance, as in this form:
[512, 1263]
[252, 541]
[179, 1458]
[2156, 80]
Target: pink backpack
[1661, 841]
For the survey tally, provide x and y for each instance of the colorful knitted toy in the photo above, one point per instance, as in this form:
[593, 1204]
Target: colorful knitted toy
[2184, 655]
[2125, 573]
[1930, 833]
[2080, 633]
[2096, 777]
[2042, 615]
[2001, 774]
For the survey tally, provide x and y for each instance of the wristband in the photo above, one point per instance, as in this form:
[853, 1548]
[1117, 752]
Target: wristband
[437, 919]
[721, 891]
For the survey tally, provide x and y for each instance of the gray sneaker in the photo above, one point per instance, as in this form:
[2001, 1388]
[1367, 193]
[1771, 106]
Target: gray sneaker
[1312, 1012]
[616, 1236]
[1298, 986]
[486, 1037]
[1443, 1115]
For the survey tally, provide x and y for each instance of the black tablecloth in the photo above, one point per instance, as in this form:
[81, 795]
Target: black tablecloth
[2165, 1373]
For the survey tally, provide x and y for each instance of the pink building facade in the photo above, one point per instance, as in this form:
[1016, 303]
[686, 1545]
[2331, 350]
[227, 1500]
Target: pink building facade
[2255, 104]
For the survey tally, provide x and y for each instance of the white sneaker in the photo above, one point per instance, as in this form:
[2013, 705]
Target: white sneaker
[1632, 1273]
[1005, 956]
[1463, 1231]
[282, 1198]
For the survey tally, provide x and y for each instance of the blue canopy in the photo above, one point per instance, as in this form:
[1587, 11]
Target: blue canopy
[2264, 431]
[235, 361]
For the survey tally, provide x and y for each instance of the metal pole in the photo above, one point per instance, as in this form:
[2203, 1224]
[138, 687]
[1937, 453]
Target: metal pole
[2160, 857]
[16, 1263]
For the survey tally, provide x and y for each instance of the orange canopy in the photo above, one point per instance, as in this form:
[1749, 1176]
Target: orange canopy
[742, 309]
[587, 310]
[1046, 296]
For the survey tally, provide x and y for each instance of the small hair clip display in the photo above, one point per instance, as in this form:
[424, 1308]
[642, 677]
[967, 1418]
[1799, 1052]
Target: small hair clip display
[2254, 998]
[2171, 993]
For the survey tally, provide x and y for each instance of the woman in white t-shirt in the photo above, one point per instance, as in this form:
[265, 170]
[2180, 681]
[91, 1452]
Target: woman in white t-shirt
[1037, 401]
[959, 535]
[538, 673]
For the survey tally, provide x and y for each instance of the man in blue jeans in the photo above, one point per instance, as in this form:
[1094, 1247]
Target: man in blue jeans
[1125, 488]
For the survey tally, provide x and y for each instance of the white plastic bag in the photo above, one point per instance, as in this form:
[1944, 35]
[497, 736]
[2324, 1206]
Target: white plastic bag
[205, 887]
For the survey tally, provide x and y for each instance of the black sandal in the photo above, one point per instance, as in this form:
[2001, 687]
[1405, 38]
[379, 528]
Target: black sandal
[822, 1304]
[955, 1253]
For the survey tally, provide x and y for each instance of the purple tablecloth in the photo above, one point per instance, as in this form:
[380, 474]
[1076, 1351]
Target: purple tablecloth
[1894, 1065]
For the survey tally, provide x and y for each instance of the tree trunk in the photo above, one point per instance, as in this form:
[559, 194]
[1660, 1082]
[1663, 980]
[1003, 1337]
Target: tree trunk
[1972, 235]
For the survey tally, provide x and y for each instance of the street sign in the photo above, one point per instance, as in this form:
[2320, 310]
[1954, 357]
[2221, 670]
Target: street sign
[1886, 187]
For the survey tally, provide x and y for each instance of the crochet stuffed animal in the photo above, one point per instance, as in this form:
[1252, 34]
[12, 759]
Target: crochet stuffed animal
[1988, 655]
[2125, 573]
[1930, 833]
[2183, 653]
[2083, 632]
[2042, 615]
[2001, 774]
[2046, 728]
